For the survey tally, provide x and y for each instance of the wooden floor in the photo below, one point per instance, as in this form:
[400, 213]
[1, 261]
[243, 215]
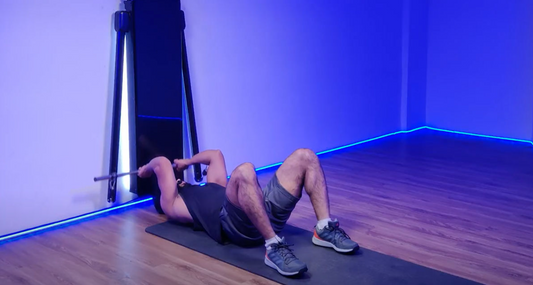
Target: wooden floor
[457, 204]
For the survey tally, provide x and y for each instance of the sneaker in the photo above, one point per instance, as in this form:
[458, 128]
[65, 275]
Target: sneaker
[333, 236]
[280, 257]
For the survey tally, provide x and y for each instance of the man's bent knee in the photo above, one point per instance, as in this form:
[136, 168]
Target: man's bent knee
[305, 155]
[245, 172]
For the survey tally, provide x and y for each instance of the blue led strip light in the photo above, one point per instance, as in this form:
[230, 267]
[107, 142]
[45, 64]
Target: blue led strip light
[402, 132]
[159, 118]
[368, 140]
[52, 225]
[478, 135]
[347, 146]
[67, 221]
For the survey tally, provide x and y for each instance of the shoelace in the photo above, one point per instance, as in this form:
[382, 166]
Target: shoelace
[339, 233]
[285, 251]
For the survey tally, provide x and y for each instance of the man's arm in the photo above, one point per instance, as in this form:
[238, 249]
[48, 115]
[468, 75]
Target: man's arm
[216, 172]
[166, 180]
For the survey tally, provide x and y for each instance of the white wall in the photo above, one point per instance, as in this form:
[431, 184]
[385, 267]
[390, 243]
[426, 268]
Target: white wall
[271, 76]
[480, 67]
[268, 77]
[56, 68]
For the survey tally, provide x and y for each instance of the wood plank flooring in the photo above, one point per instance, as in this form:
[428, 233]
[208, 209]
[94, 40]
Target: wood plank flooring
[457, 204]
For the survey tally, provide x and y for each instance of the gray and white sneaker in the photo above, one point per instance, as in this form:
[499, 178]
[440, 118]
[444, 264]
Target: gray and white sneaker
[335, 237]
[280, 257]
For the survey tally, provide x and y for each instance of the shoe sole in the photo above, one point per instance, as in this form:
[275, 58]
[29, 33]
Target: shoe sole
[324, 243]
[274, 266]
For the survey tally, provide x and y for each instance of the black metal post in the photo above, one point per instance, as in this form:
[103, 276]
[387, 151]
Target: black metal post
[121, 27]
[190, 108]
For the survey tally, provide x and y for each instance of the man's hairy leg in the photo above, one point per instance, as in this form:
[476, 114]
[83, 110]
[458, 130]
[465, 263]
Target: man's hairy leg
[302, 169]
[244, 192]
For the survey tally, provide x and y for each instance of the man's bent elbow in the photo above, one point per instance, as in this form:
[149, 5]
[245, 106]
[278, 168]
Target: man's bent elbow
[218, 153]
[161, 162]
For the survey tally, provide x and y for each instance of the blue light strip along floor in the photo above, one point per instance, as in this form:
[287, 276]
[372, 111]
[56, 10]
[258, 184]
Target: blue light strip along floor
[348, 145]
[478, 135]
[130, 204]
[70, 220]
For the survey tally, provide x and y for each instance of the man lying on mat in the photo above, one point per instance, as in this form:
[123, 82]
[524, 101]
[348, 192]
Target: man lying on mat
[240, 211]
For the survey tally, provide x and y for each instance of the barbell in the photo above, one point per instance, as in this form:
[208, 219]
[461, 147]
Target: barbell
[114, 176]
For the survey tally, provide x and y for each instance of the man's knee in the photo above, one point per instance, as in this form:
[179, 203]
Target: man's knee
[305, 156]
[245, 173]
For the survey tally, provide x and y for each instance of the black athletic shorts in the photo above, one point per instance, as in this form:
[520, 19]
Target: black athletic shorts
[238, 228]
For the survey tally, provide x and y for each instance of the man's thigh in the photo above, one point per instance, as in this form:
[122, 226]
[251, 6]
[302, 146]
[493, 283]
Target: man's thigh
[279, 203]
[237, 227]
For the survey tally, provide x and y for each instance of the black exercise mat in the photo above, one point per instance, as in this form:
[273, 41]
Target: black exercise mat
[325, 265]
